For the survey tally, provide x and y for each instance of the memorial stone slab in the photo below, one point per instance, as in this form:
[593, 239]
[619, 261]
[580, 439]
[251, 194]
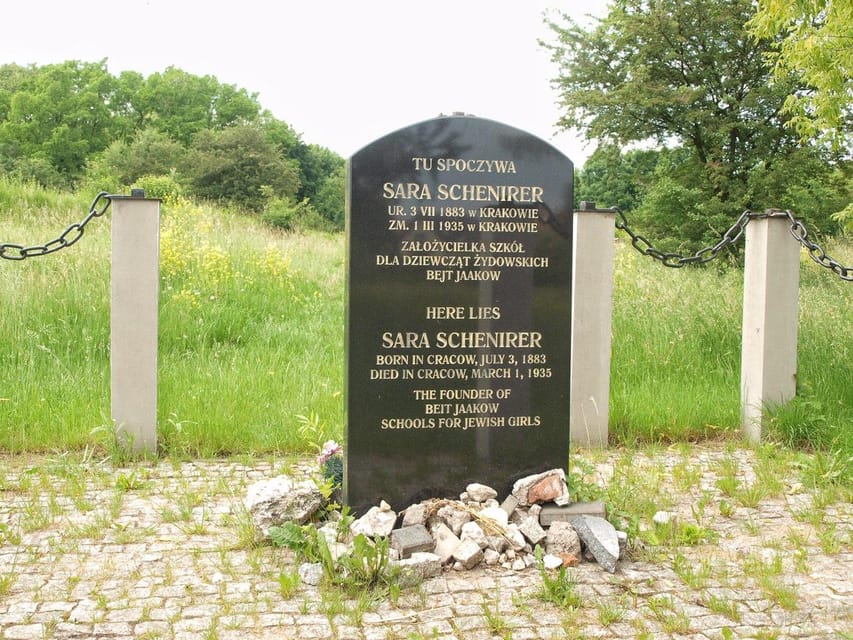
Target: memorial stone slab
[458, 311]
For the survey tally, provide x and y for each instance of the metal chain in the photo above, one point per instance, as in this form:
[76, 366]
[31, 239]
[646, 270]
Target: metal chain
[675, 260]
[733, 235]
[816, 252]
[68, 237]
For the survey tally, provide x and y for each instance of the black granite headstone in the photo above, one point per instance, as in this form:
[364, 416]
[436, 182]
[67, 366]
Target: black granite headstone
[459, 311]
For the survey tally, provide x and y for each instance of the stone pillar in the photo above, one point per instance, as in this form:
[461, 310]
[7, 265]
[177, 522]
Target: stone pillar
[133, 320]
[770, 291]
[592, 318]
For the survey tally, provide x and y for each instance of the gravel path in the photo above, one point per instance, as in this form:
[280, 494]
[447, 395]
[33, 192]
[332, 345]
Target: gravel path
[161, 550]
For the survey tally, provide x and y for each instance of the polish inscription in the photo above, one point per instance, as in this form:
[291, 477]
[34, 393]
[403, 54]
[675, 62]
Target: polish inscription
[458, 315]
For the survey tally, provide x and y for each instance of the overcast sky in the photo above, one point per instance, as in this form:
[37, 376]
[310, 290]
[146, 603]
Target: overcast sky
[341, 73]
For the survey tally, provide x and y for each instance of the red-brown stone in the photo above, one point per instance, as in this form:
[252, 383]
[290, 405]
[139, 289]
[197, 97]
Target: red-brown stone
[569, 560]
[547, 489]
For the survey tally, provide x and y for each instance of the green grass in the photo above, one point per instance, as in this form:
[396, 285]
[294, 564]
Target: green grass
[252, 334]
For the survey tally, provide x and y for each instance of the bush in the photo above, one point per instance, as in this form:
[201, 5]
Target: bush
[162, 187]
[285, 214]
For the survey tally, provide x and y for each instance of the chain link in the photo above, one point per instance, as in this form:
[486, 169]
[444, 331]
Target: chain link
[72, 234]
[816, 252]
[731, 237]
[675, 260]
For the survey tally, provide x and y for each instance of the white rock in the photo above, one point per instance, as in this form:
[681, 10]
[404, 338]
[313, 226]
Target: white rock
[311, 573]
[518, 564]
[375, 523]
[491, 557]
[278, 500]
[472, 531]
[468, 553]
[480, 492]
[454, 517]
[562, 538]
[445, 542]
[496, 514]
[415, 514]
[532, 530]
[417, 568]
[663, 518]
[515, 537]
[551, 561]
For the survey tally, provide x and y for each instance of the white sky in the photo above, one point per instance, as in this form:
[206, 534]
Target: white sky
[340, 72]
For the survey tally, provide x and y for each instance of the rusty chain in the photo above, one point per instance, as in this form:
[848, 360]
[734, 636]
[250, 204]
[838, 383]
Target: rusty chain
[731, 237]
[72, 234]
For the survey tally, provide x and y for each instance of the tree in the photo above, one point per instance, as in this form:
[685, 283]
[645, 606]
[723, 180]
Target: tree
[613, 179]
[181, 104]
[239, 165]
[151, 152]
[59, 116]
[813, 38]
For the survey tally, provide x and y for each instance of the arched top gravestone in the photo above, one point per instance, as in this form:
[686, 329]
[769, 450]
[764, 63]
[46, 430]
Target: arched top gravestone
[458, 312]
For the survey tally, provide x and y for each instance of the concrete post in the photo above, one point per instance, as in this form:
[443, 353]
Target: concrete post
[592, 318]
[133, 320]
[770, 290]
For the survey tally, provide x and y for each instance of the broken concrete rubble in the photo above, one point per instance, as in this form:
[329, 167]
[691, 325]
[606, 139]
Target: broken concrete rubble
[478, 529]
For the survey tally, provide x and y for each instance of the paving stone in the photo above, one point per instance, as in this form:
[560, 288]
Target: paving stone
[181, 582]
[552, 513]
[412, 539]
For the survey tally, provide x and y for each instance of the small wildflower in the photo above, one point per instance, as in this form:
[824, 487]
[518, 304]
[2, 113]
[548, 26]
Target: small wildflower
[330, 448]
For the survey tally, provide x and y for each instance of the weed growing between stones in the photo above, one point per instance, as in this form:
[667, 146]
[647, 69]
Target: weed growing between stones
[365, 567]
[558, 587]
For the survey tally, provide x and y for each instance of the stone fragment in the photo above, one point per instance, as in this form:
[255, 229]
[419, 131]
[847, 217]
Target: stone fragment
[311, 573]
[623, 542]
[515, 537]
[376, 523]
[415, 514]
[473, 531]
[562, 538]
[509, 505]
[454, 517]
[663, 518]
[491, 557]
[518, 564]
[497, 515]
[468, 553]
[550, 561]
[548, 489]
[498, 543]
[417, 568]
[278, 500]
[480, 492]
[552, 513]
[330, 532]
[569, 560]
[549, 486]
[445, 542]
[531, 530]
[412, 539]
[600, 539]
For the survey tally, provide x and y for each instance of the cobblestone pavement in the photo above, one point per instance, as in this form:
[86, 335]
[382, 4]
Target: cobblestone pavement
[162, 550]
